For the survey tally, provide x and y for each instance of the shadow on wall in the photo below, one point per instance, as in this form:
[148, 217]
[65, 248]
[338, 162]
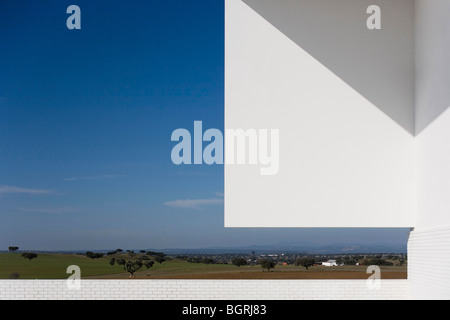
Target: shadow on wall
[432, 61]
[379, 64]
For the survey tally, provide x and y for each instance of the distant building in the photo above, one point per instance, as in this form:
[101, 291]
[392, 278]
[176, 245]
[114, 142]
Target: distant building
[330, 263]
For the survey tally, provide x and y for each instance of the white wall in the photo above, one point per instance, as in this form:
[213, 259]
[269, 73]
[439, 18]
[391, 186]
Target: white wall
[344, 162]
[347, 158]
[205, 290]
[429, 244]
[432, 37]
[432, 115]
[433, 173]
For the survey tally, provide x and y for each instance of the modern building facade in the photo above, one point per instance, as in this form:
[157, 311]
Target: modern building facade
[361, 107]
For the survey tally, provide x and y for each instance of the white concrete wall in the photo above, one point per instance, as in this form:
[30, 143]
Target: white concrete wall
[429, 244]
[205, 290]
[432, 41]
[432, 113]
[344, 162]
[433, 173]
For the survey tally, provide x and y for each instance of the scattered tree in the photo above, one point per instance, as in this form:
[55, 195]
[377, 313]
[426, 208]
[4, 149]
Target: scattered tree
[266, 264]
[305, 262]
[13, 249]
[377, 262]
[29, 255]
[159, 259]
[93, 255]
[132, 266]
[239, 262]
[350, 262]
[155, 254]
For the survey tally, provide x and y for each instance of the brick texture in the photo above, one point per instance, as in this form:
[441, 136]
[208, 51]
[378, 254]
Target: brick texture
[428, 259]
[205, 289]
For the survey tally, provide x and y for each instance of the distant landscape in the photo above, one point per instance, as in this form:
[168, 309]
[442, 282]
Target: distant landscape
[347, 262]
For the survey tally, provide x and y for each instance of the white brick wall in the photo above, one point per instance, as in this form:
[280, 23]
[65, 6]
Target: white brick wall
[429, 260]
[205, 289]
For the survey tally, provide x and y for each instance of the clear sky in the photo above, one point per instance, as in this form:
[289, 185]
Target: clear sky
[86, 118]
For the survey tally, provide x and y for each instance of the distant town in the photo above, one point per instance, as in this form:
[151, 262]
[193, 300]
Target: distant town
[330, 260]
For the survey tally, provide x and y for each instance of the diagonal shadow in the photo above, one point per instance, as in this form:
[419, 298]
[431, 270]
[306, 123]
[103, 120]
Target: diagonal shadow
[379, 64]
[432, 36]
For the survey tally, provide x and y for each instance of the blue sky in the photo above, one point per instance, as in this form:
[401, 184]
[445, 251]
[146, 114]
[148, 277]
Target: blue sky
[85, 123]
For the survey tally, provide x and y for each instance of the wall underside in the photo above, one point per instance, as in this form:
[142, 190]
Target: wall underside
[206, 290]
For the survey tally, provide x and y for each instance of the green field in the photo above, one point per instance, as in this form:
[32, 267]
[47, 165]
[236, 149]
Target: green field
[54, 266]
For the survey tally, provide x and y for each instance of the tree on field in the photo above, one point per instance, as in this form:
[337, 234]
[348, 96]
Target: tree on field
[29, 255]
[155, 254]
[13, 249]
[112, 261]
[266, 264]
[160, 259]
[377, 262]
[142, 251]
[93, 255]
[305, 262]
[132, 266]
[239, 262]
[119, 250]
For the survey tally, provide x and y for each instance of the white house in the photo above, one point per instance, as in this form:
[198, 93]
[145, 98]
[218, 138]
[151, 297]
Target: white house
[330, 263]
